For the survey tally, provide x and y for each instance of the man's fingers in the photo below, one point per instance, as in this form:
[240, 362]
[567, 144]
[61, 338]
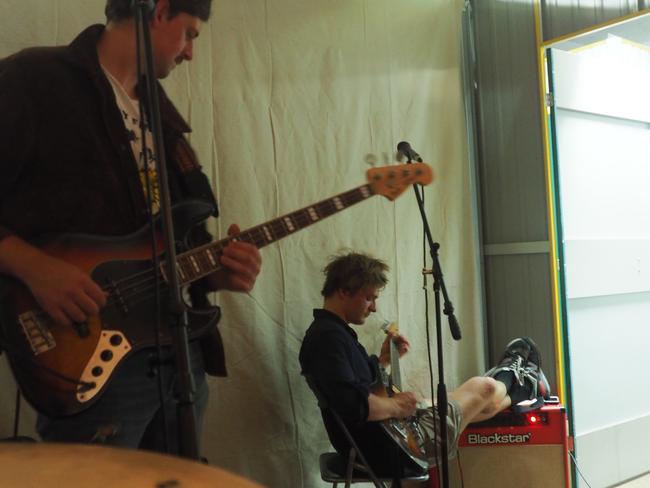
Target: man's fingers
[74, 312]
[242, 258]
[59, 317]
[88, 305]
[96, 294]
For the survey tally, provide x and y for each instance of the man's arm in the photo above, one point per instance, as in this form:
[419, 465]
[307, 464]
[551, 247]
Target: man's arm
[64, 291]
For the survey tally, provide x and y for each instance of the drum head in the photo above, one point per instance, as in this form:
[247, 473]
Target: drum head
[89, 466]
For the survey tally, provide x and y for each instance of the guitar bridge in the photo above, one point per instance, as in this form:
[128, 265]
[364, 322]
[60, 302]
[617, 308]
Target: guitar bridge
[37, 333]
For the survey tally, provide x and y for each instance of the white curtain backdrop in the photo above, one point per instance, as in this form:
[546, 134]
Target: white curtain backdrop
[290, 100]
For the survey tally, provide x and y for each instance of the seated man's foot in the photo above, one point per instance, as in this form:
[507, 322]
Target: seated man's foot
[535, 387]
[511, 367]
[534, 365]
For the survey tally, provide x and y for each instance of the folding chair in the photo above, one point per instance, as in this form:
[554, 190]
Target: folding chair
[335, 469]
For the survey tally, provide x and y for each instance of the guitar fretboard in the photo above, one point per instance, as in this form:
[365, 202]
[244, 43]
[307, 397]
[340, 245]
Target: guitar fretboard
[204, 260]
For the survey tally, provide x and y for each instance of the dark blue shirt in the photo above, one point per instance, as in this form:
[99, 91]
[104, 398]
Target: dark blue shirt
[345, 375]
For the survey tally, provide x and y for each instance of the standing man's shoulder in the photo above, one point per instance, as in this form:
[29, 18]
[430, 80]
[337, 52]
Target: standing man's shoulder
[32, 61]
[46, 63]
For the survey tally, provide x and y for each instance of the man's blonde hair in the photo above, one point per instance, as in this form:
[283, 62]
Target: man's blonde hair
[353, 271]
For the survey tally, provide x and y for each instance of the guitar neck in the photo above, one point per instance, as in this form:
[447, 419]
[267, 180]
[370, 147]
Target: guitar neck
[204, 260]
[395, 373]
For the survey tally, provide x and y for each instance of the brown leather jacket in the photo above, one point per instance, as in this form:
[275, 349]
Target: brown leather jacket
[66, 165]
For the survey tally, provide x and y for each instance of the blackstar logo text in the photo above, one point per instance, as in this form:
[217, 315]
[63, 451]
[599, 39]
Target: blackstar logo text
[498, 438]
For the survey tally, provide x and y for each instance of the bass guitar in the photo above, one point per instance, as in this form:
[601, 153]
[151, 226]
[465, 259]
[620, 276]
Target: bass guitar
[64, 370]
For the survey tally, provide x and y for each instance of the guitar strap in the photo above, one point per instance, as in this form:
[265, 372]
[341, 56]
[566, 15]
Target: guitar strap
[194, 182]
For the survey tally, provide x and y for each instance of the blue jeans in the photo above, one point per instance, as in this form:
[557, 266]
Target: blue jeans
[129, 413]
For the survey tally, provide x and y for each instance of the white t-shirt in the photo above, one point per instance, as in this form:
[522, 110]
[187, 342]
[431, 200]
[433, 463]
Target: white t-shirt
[130, 111]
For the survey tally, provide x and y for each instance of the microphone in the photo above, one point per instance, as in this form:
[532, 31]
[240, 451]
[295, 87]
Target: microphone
[454, 327]
[406, 149]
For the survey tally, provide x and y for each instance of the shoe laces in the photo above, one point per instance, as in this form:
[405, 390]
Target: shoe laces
[516, 366]
[530, 373]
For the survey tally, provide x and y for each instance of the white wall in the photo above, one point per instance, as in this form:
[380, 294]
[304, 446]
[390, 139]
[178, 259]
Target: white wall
[603, 139]
[287, 99]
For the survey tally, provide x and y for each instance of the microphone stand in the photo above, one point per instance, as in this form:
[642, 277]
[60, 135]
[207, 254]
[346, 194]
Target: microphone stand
[187, 435]
[438, 286]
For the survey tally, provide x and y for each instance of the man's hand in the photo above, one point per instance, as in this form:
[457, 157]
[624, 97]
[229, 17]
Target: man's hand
[398, 406]
[65, 292]
[405, 404]
[241, 264]
[401, 342]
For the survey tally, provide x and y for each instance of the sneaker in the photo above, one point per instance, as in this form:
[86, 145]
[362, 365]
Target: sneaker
[534, 368]
[514, 360]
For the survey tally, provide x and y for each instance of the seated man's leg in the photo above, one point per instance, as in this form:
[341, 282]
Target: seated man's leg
[480, 398]
[477, 399]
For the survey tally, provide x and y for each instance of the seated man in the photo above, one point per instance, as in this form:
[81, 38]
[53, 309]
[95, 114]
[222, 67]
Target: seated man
[341, 369]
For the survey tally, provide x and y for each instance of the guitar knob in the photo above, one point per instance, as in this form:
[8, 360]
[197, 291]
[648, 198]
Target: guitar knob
[106, 355]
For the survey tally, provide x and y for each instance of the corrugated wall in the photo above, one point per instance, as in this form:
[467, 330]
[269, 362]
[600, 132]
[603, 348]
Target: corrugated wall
[560, 17]
[510, 160]
[512, 182]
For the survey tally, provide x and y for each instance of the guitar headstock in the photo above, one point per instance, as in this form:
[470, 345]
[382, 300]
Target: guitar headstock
[391, 181]
[390, 328]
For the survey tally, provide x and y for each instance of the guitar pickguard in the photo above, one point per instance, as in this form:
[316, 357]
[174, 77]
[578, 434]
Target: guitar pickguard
[111, 349]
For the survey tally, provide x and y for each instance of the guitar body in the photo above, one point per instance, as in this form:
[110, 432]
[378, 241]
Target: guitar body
[406, 433]
[63, 370]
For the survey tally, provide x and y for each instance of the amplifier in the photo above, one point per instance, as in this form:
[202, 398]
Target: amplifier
[513, 451]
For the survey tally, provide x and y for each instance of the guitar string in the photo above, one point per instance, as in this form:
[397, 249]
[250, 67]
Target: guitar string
[348, 198]
[278, 224]
[128, 286]
[278, 229]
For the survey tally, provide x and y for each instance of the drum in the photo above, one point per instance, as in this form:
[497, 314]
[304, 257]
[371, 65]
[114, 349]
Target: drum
[89, 466]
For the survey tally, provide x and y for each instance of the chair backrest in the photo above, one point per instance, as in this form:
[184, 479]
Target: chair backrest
[323, 404]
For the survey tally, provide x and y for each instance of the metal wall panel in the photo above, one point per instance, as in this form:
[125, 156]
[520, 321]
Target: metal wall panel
[511, 158]
[562, 17]
[514, 221]
[518, 291]
[510, 162]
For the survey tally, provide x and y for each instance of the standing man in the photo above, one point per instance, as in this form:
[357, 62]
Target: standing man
[71, 162]
[345, 375]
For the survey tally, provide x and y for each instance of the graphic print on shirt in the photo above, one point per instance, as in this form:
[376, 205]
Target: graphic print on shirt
[134, 132]
[130, 111]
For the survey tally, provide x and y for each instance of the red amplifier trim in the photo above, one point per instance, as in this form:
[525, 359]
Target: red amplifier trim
[551, 429]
